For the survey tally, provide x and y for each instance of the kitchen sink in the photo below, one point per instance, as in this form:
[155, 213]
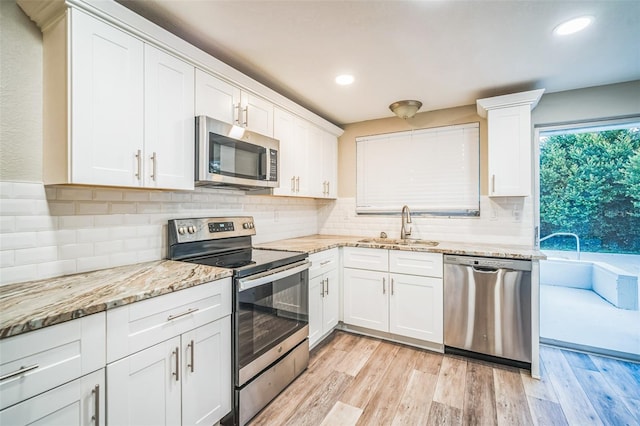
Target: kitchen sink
[400, 242]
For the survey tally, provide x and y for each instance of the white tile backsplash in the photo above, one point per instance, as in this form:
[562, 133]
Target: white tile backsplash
[53, 231]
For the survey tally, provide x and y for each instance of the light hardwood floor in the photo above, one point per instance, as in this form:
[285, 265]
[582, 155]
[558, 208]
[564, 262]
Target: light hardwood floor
[356, 380]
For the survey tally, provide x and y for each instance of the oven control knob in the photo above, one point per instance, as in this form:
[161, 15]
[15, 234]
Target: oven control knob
[251, 225]
[182, 230]
[191, 229]
[245, 225]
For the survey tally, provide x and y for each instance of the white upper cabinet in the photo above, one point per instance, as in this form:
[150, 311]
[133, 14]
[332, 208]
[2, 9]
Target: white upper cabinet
[510, 148]
[169, 121]
[106, 106]
[130, 108]
[329, 166]
[225, 102]
[216, 98]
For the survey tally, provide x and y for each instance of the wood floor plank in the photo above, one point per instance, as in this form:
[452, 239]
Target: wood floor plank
[429, 362]
[416, 401]
[623, 377]
[345, 341]
[579, 360]
[611, 409]
[444, 415]
[512, 407]
[342, 415]
[479, 398]
[574, 402]
[451, 382]
[320, 400]
[369, 378]
[633, 405]
[357, 356]
[539, 388]
[381, 408]
[545, 412]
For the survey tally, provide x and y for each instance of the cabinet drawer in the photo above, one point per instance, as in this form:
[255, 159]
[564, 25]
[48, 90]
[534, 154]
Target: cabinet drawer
[366, 258]
[323, 262]
[46, 358]
[415, 263]
[140, 325]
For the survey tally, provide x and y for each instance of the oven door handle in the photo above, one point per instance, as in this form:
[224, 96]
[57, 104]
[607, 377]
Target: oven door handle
[272, 275]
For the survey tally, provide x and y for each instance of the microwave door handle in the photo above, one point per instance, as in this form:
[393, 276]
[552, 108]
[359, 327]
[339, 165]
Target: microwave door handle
[273, 275]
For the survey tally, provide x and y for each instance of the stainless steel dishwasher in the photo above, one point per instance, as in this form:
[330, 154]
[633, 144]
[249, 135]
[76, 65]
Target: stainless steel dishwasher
[487, 308]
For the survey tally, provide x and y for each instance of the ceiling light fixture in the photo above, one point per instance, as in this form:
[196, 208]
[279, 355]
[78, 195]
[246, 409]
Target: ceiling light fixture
[405, 109]
[573, 25]
[344, 79]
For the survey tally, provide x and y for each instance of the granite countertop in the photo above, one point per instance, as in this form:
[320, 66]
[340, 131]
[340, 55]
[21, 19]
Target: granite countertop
[35, 304]
[315, 243]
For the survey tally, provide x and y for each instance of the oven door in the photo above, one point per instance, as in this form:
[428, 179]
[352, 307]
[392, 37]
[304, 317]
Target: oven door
[272, 317]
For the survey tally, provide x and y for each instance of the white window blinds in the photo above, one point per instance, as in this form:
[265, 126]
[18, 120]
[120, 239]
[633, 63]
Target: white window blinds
[435, 171]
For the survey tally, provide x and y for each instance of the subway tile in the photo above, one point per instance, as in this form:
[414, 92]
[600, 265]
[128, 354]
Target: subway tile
[107, 195]
[50, 192]
[56, 268]
[159, 196]
[30, 191]
[92, 263]
[108, 247]
[108, 220]
[6, 190]
[74, 194]
[35, 223]
[92, 235]
[7, 224]
[75, 251]
[123, 208]
[56, 237]
[122, 232]
[17, 207]
[120, 259]
[151, 254]
[17, 274]
[75, 222]
[93, 208]
[17, 240]
[62, 208]
[7, 258]
[132, 195]
[136, 219]
[148, 208]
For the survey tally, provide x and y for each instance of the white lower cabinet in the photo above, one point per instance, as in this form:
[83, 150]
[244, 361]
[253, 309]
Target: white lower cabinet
[383, 297]
[184, 380]
[80, 402]
[324, 294]
[170, 358]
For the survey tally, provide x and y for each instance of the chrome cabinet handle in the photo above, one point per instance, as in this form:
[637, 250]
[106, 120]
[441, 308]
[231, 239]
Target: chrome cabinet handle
[19, 372]
[392, 286]
[177, 373]
[154, 168]
[384, 288]
[322, 292]
[96, 404]
[293, 184]
[193, 349]
[246, 116]
[189, 311]
[328, 183]
[139, 162]
[327, 286]
[493, 184]
[325, 262]
[297, 183]
[236, 109]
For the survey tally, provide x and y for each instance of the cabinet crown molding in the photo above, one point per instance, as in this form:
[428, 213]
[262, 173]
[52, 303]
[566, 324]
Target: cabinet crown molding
[531, 98]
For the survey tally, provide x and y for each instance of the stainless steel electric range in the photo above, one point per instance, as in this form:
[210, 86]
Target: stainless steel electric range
[271, 309]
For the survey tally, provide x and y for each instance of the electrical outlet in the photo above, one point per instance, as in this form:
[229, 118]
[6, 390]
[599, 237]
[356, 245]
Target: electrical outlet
[516, 213]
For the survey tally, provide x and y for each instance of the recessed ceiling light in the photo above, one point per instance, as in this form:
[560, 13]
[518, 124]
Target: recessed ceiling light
[344, 79]
[573, 25]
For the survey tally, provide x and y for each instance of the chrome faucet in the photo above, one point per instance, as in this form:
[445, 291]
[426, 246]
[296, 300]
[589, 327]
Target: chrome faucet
[406, 218]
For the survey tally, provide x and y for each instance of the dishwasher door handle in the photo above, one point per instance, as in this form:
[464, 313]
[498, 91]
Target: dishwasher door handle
[485, 269]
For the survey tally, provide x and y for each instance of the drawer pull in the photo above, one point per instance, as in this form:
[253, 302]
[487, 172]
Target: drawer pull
[384, 288]
[177, 373]
[327, 293]
[96, 395]
[19, 372]
[190, 311]
[325, 262]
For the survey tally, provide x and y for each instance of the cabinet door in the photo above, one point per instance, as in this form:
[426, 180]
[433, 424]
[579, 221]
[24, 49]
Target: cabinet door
[257, 114]
[169, 121]
[314, 171]
[510, 151]
[283, 130]
[216, 98]
[366, 258]
[366, 299]
[415, 307]
[144, 388]
[75, 403]
[206, 378]
[331, 301]
[316, 296]
[106, 103]
[330, 165]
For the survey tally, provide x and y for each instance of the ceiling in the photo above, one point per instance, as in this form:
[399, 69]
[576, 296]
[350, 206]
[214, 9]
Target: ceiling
[445, 53]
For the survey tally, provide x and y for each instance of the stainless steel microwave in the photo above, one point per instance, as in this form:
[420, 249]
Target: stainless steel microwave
[228, 155]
